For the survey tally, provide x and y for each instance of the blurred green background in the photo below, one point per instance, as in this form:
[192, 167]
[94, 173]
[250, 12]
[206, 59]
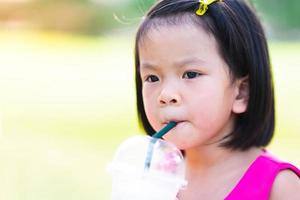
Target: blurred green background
[67, 91]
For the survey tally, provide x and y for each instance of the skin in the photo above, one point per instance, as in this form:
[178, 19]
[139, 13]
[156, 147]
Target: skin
[186, 80]
[286, 186]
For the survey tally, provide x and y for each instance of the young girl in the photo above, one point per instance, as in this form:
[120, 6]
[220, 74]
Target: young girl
[205, 65]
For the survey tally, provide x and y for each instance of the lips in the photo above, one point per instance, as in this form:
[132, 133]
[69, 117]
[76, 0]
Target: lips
[173, 120]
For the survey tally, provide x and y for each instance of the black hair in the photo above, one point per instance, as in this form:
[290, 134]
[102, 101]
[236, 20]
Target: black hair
[242, 44]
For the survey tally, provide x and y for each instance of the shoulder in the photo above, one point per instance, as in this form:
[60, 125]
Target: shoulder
[286, 186]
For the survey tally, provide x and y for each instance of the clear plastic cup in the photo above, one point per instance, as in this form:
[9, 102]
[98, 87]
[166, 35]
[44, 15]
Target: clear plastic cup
[160, 179]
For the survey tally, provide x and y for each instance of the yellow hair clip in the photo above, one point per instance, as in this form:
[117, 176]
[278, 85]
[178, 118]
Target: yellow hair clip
[204, 6]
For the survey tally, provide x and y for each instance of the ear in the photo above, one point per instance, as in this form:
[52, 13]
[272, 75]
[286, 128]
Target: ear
[240, 103]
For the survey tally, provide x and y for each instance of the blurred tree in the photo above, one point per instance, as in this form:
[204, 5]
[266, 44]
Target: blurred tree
[283, 16]
[78, 16]
[98, 16]
[281, 13]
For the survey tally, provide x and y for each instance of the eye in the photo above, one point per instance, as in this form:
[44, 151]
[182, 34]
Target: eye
[152, 78]
[190, 75]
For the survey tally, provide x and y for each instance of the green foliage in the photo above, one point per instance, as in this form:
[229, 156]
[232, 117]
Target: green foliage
[283, 16]
[98, 16]
[77, 16]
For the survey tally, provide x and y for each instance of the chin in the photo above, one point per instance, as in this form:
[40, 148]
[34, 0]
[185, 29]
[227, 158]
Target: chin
[175, 141]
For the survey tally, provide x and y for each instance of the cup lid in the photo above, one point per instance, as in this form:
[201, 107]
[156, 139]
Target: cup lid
[167, 161]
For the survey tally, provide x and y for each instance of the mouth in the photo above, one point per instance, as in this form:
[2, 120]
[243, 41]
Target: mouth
[177, 121]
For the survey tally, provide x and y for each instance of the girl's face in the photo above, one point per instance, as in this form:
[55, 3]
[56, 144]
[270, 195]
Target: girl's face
[186, 80]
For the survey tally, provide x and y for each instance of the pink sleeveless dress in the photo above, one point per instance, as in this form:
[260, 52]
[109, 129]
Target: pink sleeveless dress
[257, 182]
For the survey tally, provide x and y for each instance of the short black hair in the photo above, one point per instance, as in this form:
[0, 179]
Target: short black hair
[243, 46]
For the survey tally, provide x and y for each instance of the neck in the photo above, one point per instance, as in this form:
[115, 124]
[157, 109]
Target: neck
[211, 158]
[211, 166]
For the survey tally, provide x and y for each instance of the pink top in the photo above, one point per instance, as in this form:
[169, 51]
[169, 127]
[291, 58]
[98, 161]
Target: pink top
[257, 182]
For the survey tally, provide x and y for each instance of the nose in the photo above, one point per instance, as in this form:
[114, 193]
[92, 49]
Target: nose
[169, 96]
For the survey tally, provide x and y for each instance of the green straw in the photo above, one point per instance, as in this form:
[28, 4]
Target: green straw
[164, 130]
[153, 140]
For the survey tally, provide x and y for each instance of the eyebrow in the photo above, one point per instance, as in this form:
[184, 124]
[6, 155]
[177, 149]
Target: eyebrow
[147, 65]
[189, 60]
[179, 63]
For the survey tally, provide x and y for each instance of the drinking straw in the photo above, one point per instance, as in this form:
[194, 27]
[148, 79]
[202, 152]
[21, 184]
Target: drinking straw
[164, 130]
[154, 139]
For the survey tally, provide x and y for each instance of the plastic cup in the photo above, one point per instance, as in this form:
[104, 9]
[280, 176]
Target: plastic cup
[160, 180]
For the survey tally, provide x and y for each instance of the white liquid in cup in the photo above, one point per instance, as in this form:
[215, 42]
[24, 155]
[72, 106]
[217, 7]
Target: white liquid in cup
[163, 179]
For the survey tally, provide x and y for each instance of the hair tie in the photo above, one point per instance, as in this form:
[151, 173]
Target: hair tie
[203, 6]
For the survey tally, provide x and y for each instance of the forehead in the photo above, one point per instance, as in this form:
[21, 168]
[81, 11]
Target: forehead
[173, 42]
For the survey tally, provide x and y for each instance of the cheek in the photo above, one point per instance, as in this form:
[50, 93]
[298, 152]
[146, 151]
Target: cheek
[212, 106]
[204, 115]
[205, 99]
[150, 107]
